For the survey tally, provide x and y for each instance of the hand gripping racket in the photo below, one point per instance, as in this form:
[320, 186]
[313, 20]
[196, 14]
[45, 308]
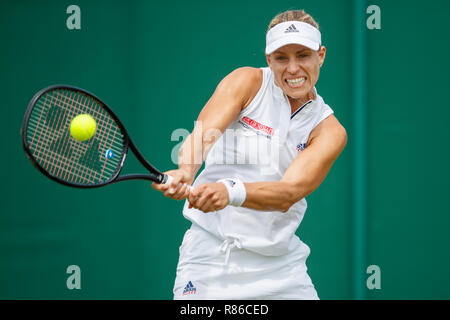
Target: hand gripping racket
[95, 162]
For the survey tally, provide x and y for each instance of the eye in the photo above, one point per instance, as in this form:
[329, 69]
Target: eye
[280, 58]
[303, 55]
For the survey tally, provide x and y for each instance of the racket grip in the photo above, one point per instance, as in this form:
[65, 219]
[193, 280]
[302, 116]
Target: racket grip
[170, 179]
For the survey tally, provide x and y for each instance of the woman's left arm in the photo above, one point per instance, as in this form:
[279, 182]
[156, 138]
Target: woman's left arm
[303, 176]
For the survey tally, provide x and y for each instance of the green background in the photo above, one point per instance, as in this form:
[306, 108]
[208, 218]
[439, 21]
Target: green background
[156, 63]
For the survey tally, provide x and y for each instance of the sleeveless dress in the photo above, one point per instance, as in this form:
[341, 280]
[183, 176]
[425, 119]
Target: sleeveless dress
[241, 253]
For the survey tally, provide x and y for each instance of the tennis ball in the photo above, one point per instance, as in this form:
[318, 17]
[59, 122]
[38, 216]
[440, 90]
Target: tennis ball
[83, 127]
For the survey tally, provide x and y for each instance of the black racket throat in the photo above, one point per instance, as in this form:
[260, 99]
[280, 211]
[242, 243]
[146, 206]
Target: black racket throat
[93, 162]
[154, 176]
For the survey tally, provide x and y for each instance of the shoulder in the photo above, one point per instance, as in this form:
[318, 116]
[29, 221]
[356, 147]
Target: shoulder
[331, 129]
[244, 82]
[246, 74]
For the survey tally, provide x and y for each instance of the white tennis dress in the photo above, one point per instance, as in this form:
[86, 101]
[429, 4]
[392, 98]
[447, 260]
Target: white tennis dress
[240, 253]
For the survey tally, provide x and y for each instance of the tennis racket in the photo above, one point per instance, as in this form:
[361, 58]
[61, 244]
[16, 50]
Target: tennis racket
[95, 162]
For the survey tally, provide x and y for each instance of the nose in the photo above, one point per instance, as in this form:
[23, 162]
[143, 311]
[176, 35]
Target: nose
[293, 66]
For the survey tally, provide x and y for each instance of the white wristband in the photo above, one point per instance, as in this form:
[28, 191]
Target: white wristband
[236, 191]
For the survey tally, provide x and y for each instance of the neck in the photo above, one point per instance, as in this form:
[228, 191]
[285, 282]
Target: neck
[298, 103]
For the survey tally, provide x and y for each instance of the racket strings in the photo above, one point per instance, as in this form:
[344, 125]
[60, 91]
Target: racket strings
[98, 114]
[34, 122]
[91, 158]
[54, 121]
[74, 163]
[115, 146]
[86, 156]
[54, 115]
[52, 146]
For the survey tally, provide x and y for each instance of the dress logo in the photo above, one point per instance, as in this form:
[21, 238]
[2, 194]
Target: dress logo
[301, 147]
[189, 289]
[256, 125]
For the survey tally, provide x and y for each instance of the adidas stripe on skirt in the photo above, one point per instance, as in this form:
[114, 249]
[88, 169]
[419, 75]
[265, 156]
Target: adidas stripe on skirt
[209, 268]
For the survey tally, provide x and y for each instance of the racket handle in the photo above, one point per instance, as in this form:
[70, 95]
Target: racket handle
[170, 179]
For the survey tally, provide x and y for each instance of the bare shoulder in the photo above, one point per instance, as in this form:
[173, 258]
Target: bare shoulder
[245, 82]
[248, 73]
[332, 129]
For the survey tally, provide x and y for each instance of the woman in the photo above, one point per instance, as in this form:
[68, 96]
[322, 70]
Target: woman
[244, 213]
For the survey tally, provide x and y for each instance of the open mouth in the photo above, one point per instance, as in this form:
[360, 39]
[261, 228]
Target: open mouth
[296, 83]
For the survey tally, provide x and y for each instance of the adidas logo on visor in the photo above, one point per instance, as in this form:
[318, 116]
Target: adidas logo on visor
[291, 28]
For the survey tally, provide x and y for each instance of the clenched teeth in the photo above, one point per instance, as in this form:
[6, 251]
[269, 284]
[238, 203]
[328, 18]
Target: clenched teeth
[296, 81]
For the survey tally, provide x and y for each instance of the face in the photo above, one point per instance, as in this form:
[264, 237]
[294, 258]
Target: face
[296, 69]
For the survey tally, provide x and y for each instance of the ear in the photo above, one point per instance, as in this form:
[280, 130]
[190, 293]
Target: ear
[322, 53]
[268, 60]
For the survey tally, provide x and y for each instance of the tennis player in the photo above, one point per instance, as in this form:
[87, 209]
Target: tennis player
[269, 140]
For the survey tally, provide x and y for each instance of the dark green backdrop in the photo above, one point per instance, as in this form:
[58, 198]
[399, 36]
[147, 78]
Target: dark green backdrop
[156, 63]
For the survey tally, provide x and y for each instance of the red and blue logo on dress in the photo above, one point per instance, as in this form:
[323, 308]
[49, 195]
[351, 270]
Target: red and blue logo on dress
[189, 289]
[301, 147]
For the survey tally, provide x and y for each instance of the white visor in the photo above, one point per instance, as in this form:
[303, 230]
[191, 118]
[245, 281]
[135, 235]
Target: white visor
[293, 32]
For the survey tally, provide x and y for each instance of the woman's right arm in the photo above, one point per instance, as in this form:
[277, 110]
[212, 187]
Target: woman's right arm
[231, 96]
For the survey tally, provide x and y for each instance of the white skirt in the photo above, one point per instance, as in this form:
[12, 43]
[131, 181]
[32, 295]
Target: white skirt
[209, 268]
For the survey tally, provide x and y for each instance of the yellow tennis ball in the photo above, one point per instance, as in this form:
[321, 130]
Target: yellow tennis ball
[83, 127]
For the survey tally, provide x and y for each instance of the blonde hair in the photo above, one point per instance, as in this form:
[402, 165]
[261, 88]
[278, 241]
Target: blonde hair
[293, 15]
